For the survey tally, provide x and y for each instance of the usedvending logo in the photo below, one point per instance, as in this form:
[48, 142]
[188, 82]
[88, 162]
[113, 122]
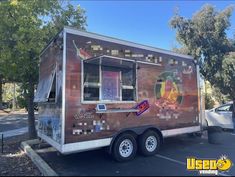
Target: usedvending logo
[209, 166]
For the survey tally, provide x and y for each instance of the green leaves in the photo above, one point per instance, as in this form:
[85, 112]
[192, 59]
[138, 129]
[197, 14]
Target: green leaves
[26, 27]
[204, 36]
[228, 75]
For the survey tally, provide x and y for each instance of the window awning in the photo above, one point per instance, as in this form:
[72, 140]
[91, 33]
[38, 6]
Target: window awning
[44, 87]
[106, 60]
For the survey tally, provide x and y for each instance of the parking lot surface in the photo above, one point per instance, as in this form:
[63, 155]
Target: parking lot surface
[171, 160]
[14, 121]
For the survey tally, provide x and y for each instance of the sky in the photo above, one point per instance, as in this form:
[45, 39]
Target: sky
[144, 22]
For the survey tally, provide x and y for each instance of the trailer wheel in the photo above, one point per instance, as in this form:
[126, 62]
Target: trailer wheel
[124, 148]
[149, 143]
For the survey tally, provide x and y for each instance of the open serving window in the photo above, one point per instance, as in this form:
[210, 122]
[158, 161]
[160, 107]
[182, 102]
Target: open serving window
[109, 79]
[46, 90]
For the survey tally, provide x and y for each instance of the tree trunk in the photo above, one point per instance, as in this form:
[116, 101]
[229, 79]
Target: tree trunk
[31, 117]
[1, 93]
[14, 97]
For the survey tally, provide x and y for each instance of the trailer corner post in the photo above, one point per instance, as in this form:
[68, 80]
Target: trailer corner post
[63, 89]
[200, 97]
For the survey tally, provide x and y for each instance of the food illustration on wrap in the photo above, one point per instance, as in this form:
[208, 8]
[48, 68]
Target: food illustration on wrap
[168, 94]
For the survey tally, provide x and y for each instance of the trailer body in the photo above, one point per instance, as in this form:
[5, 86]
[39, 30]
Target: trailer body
[92, 88]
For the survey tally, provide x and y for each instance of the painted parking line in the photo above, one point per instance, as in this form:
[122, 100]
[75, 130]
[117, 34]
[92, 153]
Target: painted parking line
[232, 133]
[183, 163]
[170, 159]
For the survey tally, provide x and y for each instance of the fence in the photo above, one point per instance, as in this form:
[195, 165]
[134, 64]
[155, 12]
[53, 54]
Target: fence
[2, 142]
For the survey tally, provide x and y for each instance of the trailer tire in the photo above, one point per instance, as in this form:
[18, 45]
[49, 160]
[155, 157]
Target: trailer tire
[149, 143]
[124, 148]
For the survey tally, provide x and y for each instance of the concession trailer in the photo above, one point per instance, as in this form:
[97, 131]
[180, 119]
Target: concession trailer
[96, 91]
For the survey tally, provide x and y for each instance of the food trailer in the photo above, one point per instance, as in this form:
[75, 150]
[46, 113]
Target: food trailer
[96, 91]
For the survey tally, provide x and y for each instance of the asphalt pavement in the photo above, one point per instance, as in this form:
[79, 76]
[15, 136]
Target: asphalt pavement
[13, 121]
[170, 161]
[14, 124]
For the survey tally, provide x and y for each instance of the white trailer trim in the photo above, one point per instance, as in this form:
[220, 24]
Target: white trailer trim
[108, 102]
[122, 42]
[199, 95]
[85, 145]
[148, 63]
[63, 90]
[95, 144]
[100, 83]
[178, 131]
[58, 35]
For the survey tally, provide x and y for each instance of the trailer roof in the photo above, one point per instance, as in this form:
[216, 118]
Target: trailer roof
[50, 42]
[76, 31]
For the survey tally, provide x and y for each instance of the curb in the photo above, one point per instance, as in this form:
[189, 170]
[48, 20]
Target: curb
[43, 167]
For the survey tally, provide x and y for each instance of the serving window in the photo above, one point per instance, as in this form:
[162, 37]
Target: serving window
[109, 79]
[46, 89]
[91, 82]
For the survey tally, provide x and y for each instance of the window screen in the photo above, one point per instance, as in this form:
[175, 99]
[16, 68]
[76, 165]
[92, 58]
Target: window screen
[91, 94]
[91, 73]
[91, 82]
[129, 82]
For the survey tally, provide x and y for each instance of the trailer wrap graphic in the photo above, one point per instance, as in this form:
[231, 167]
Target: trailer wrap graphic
[163, 92]
[81, 52]
[168, 92]
[168, 89]
[143, 106]
[94, 71]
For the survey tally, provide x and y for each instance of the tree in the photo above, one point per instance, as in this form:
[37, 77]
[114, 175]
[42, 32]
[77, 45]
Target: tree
[228, 75]
[209, 102]
[25, 28]
[204, 36]
[219, 96]
[182, 50]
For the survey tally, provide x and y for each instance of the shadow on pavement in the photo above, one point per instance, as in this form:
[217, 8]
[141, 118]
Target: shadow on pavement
[98, 162]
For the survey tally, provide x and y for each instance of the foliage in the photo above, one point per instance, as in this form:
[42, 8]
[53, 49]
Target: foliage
[21, 102]
[204, 36]
[218, 96]
[25, 33]
[182, 50]
[209, 102]
[8, 91]
[228, 75]
[25, 28]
